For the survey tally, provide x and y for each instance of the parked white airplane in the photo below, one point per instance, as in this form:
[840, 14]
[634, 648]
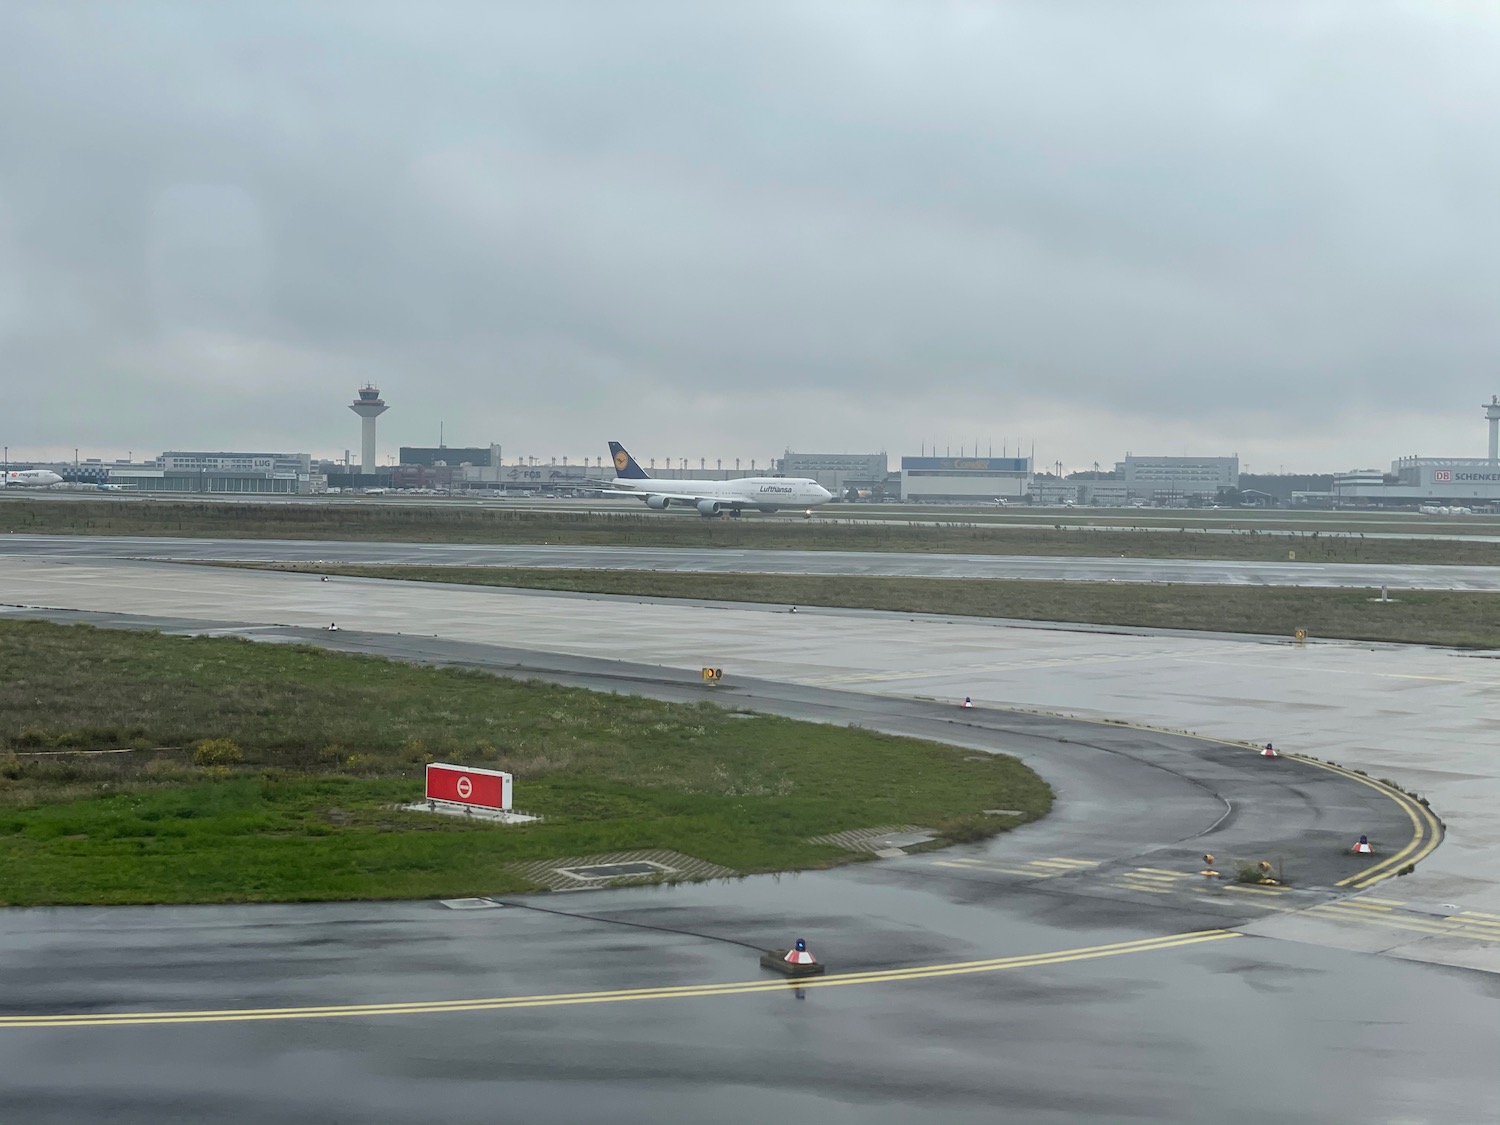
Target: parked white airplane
[30, 478]
[713, 497]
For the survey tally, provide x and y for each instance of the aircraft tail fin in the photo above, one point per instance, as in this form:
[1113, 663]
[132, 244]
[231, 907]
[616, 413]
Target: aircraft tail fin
[625, 465]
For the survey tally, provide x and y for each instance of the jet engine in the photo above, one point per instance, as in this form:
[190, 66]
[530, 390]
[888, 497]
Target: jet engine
[657, 502]
[709, 507]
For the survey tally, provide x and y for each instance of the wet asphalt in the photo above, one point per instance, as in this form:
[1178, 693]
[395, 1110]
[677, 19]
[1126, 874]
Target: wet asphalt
[680, 559]
[1234, 1029]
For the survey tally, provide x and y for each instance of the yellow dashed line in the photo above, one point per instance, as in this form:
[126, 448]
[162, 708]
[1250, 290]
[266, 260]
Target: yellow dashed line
[1479, 924]
[1425, 827]
[1028, 873]
[1333, 911]
[1029, 869]
[1265, 903]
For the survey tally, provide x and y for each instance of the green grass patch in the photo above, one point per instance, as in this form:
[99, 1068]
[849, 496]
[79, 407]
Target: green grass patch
[631, 526]
[1460, 618]
[324, 745]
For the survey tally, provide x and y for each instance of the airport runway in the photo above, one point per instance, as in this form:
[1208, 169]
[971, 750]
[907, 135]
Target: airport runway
[866, 563]
[1076, 970]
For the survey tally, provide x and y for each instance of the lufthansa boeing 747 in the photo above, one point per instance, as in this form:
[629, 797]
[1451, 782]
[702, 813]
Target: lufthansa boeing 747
[715, 497]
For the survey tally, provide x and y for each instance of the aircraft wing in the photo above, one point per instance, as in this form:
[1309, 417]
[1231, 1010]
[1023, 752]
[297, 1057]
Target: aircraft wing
[599, 486]
[677, 497]
[693, 498]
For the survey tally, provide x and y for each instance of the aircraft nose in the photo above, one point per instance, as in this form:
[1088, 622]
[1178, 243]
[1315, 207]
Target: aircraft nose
[824, 494]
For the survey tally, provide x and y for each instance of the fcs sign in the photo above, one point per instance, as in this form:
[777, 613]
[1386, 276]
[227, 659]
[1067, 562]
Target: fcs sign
[464, 785]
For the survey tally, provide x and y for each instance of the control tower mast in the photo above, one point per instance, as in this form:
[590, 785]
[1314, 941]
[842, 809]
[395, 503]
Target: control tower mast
[369, 406]
[1492, 412]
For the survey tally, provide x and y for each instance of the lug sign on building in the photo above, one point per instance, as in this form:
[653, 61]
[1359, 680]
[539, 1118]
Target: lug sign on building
[465, 785]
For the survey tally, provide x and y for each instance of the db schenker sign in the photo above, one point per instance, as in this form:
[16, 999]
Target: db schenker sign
[464, 785]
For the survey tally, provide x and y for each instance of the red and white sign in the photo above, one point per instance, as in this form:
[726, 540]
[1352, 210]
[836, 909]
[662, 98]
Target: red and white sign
[464, 785]
[1442, 476]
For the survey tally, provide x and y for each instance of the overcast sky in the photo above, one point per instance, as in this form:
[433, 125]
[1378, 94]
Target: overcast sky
[718, 230]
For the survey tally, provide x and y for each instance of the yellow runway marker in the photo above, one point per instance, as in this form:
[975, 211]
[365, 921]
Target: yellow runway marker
[1027, 868]
[1479, 925]
[1251, 890]
[567, 999]
[1000, 869]
[1268, 904]
[1416, 925]
[1426, 831]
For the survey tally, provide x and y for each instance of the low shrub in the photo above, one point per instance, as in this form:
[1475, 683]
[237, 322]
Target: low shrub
[217, 752]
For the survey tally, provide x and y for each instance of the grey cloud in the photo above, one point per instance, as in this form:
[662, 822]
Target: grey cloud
[717, 229]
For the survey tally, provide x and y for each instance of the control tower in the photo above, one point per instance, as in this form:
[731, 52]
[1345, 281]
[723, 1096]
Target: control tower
[369, 406]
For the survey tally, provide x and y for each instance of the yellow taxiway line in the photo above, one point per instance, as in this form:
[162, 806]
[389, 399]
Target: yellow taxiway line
[1426, 834]
[677, 992]
[1426, 830]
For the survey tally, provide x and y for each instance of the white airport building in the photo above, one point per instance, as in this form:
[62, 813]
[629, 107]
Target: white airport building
[965, 479]
[222, 472]
[1458, 481]
[1463, 482]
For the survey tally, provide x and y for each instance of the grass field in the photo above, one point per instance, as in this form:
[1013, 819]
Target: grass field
[329, 743]
[1463, 619]
[1340, 522]
[632, 527]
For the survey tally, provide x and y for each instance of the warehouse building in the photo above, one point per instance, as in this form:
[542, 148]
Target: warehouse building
[1418, 482]
[222, 472]
[840, 473]
[1178, 480]
[429, 456]
[1415, 481]
[965, 479]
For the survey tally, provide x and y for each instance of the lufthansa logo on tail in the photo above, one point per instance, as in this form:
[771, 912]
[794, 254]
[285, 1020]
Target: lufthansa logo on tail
[621, 459]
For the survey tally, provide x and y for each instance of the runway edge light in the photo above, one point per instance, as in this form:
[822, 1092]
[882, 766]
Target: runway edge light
[1362, 846]
[1269, 752]
[967, 704]
[797, 961]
